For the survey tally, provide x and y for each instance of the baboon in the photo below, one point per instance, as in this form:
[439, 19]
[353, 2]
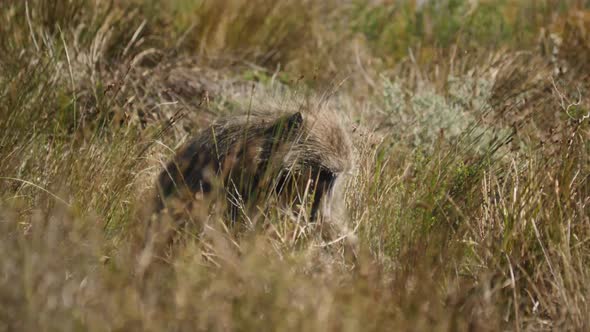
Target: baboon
[295, 157]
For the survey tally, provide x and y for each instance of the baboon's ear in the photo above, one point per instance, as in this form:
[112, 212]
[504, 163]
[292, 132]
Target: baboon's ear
[288, 124]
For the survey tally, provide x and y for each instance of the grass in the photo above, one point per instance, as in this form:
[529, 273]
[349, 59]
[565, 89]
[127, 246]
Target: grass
[471, 200]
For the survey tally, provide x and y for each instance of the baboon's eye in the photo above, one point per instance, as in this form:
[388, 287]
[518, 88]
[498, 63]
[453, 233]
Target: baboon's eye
[326, 179]
[205, 187]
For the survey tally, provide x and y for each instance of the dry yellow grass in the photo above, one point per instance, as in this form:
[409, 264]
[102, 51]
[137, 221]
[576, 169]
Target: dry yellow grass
[471, 203]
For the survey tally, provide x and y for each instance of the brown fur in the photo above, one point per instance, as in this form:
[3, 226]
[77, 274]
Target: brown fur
[251, 158]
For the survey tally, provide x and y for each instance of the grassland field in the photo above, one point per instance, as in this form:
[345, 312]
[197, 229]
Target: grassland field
[471, 200]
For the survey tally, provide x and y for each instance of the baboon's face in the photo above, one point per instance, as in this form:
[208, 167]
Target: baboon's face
[308, 187]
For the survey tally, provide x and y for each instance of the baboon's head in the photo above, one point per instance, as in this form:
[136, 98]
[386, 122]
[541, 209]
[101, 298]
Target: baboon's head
[317, 157]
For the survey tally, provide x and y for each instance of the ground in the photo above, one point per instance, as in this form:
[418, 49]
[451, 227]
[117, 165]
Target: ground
[471, 199]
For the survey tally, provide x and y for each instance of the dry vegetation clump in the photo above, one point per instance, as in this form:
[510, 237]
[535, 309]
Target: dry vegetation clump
[471, 202]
